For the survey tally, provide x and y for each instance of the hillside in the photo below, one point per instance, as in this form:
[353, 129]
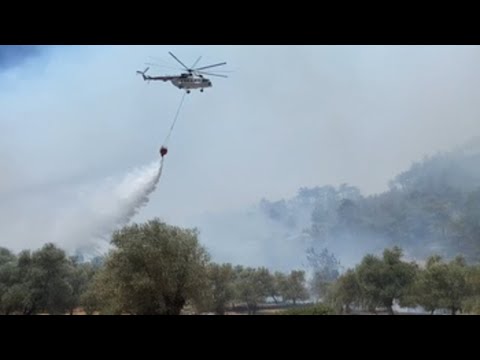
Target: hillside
[432, 207]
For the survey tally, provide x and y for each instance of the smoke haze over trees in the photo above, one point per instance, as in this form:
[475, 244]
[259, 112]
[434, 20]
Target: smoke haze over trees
[432, 207]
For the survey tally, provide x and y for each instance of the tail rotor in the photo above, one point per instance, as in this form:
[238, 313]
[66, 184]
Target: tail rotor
[143, 73]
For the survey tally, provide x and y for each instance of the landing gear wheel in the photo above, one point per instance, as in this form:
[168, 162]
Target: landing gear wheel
[201, 90]
[188, 91]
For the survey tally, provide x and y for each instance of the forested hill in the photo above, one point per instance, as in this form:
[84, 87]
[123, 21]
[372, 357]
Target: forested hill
[433, 207]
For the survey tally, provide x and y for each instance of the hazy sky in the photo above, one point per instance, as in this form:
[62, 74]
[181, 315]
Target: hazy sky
[287, 117]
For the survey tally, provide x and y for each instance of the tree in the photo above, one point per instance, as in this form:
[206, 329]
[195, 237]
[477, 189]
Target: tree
[13, 298]
[345, 292]
[154, 269]
[326, 269]
[466, 227]
[90, 301]
[6, 256]
[101, 295]
[43, 278]
[267, 282]
[222, 288]
[347, 213]
[426, 290]
[276, 289]
[472, 303]
[454, 287]
[80, 275]
[8, 279]
[250, 287]
[444, 285]
[294, 287]
[384, 280]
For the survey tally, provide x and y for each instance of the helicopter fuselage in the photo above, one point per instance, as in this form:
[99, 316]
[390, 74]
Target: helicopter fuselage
[191, 82]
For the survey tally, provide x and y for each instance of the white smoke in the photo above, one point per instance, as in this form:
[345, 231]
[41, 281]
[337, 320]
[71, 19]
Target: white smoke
[87, 219]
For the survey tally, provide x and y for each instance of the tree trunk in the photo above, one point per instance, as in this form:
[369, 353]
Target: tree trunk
[252, 309]
[28, 311]
[454, 310]
[390, 310]
[174, 306]
[431, 312]
[220, 310]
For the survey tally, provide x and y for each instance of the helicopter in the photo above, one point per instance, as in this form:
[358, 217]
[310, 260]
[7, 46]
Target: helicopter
[192, 79]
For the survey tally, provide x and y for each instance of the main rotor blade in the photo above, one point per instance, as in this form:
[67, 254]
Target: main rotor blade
[210, 74]
[161, 61]
[211, 66]
[164, 66]
[196, 62]
[181, 63]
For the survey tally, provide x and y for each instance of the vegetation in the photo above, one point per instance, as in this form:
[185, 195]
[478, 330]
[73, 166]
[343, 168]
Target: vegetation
[157, 269]
[318, 309]
[153, 269]
[431, 211]
[378, 283]
[432, 208]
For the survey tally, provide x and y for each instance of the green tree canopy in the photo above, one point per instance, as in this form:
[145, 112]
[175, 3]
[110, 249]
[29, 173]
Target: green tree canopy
[154, 269]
